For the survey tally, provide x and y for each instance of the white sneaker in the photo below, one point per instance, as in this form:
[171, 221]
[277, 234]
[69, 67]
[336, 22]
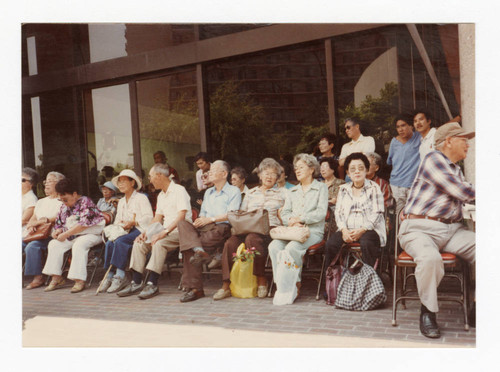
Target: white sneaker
[106, 283]
[117, 284]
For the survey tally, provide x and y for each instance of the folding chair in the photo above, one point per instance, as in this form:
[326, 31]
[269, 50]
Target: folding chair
[403, 261]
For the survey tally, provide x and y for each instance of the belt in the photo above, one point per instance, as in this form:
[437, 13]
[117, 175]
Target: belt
[418, 217]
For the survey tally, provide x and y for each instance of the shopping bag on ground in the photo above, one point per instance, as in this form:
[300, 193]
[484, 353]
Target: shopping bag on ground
[361, 290]
[243, 282]
[287, 273]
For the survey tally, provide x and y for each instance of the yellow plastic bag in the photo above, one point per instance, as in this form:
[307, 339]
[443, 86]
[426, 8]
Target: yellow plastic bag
[243, 282]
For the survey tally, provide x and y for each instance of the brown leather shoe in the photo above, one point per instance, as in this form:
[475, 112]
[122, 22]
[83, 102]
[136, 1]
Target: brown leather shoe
[192, 295]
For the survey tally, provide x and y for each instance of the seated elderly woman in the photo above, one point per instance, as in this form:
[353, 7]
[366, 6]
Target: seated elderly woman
[78, 227]
[328, 168]
[46, 210]
[29, 181]
[238, 178]
[359, 213]
[305, 205]
[134, 214]
[265, 196]
[108, 202]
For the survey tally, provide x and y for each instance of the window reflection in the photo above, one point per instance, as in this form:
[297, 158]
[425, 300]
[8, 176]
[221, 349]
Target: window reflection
[168, 121]
[109, 134]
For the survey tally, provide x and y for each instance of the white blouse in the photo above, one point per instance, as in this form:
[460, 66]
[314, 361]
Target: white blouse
[136, 209]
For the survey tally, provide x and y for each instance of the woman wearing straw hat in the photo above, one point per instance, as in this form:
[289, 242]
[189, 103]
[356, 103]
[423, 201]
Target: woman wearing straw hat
[134, 213]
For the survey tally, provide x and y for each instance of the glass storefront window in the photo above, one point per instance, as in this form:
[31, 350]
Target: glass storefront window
[168, 122]
[109, 134]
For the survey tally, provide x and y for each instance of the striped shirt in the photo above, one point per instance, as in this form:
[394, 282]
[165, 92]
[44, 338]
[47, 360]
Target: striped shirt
[439, 189]
[365, 211]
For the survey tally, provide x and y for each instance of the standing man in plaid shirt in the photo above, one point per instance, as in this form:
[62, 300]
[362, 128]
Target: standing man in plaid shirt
[431, 219]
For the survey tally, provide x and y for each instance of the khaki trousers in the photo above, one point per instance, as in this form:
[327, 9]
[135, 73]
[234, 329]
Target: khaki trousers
[424, 240]
[158, 253]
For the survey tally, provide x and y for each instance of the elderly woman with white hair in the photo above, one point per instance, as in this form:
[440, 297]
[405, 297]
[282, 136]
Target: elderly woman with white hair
[306, 205]
[265, 196]
[46, 210]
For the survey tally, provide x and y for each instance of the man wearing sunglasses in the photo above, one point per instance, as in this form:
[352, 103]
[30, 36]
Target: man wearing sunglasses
[358, 143]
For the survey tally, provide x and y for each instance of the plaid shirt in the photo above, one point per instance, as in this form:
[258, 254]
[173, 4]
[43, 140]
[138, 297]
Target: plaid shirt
[439, 189]
[366, 211]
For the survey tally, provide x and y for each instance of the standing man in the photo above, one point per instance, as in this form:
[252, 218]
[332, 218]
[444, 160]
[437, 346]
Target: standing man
[431, 222]
[203, 163]
[209, 231]
[422, 123]
[359, 143]
[173, 206]
[404, 156]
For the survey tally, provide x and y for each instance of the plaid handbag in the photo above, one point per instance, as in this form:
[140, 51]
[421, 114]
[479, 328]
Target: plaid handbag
[362, 290]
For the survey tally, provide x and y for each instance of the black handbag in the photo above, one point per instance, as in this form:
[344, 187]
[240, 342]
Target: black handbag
[243, 222]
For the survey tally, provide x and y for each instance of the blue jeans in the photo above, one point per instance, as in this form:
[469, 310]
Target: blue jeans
[33, 250]
[117, 251]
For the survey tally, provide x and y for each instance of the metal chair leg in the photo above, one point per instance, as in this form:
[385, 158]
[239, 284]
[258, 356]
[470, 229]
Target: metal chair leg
[320, 278]
[394, 295]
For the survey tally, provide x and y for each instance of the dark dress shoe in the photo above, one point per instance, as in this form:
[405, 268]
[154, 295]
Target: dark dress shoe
[192, 296]
[199, 258]
[130, 290]
[150, 290]
[428, 325]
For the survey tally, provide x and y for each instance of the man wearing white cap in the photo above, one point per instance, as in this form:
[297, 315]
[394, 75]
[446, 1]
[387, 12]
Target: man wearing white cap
[431, 219]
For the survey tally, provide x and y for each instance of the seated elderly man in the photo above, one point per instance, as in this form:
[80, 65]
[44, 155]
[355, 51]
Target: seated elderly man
[173, 206]
[431, 220]
[209, 231]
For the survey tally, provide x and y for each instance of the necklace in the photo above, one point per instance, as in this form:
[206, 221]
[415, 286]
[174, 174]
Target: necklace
[356, 187]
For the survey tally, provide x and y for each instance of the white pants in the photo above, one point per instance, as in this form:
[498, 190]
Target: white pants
[424, 240]
[80, 249]
[296, 249]
[400, 194]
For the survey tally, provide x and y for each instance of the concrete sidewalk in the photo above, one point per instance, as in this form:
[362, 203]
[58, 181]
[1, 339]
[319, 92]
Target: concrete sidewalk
[75, 319]
[43, 331]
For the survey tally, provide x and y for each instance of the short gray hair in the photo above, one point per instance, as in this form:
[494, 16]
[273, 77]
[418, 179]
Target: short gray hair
[32, 174]
[162, 168]
[310, 161]
[376, 157]
[223, 164]
[268, 163]
[58, 176]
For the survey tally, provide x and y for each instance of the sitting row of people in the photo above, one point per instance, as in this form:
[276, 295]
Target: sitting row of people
[78, 225]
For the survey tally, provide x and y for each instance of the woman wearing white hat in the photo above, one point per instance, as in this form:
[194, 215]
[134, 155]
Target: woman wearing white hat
[134, 213]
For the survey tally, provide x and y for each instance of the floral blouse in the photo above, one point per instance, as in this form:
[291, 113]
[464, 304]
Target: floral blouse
[84, 211]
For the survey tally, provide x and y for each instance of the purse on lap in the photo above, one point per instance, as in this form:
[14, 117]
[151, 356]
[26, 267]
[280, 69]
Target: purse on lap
[42, 232]
[297, 233]
[246, 222]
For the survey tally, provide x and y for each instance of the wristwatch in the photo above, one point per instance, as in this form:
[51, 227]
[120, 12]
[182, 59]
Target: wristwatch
[212, 219]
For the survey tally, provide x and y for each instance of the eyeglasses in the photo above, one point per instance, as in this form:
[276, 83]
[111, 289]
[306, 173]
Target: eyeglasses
[47, 182]
[23, 180]
[347, 127]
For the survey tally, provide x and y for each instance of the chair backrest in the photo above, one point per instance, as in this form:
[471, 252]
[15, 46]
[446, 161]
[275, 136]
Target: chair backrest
[194, 213]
